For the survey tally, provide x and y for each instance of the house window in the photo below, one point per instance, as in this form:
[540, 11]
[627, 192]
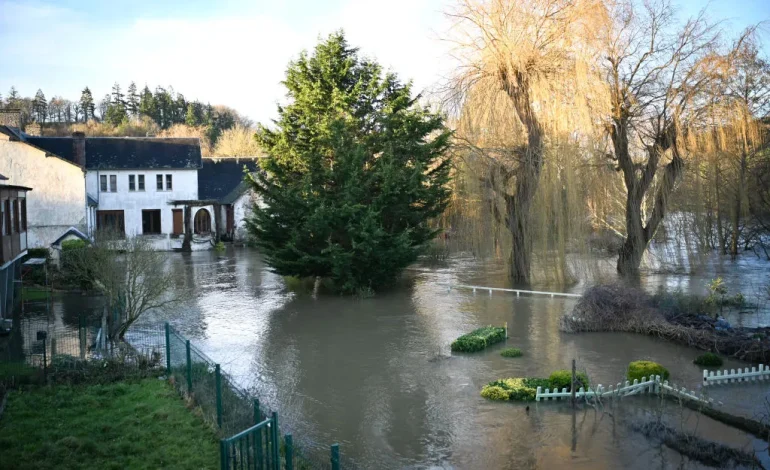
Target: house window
[178, 217]
[103, 183]
[131, 182]
[113, 183]
[202, 222]
[16, 218]
[141, 182]
[151, 221]
[168, 182]
[159, 182]
[110, 221]
[23, 215]
[6, 217]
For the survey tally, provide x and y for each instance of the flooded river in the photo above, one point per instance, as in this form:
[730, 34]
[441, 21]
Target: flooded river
[376, 375]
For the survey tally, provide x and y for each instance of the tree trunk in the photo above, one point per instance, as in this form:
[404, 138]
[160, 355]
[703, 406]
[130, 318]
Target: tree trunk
[630, 256]
[518, 217]
[739, 196]
[217, 222]
[187, 242]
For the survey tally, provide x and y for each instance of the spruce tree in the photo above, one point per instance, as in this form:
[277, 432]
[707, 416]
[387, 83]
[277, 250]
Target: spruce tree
[147, 106]
[40, 106]
[356, 170]
[87, 105]
[132, 100]
[116, 107]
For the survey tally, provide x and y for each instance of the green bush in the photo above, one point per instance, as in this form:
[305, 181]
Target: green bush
[708, 360]
[38, 253]
[563, 379]
[74, 244]
[513, 389]
[641, 369]
[479, 339]
[220, 247]
[510, 352]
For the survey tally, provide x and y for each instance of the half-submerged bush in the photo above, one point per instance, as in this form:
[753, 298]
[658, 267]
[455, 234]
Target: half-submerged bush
[510, 352]
[479, 339]
[708, 360]
[563, 379]
[513, 389]
[641, 369]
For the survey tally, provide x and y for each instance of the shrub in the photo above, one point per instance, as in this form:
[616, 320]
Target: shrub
[512, 389]
[510, 352]
[563, 379]
[640, 369]
[220, 247]
[479, 339]
[708, 360]
[75, 244]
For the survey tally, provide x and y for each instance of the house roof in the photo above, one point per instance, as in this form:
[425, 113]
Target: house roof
[127, 153]
[222, 179]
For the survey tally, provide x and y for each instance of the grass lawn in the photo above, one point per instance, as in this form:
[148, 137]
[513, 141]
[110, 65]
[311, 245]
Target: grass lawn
[135, 425]
[32, 294]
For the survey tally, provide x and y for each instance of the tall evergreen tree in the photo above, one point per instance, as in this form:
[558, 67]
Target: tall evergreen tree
[87, 106]
[132, 100]
[13, 98]
[116, 109]
[147, 106]
[40, 106]
[356, 169]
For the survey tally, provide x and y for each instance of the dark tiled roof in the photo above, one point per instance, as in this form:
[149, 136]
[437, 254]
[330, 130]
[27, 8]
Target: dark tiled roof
[127, 153]
[223, 178]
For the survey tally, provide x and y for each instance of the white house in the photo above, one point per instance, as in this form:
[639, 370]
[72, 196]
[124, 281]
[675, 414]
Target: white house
[58, 202]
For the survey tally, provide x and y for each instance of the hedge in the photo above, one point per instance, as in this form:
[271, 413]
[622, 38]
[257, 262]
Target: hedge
[479, 339]
[646, 369]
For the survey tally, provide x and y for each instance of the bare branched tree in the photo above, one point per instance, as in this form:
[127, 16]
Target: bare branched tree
[655, 72]
[522, 75]
[129, 272]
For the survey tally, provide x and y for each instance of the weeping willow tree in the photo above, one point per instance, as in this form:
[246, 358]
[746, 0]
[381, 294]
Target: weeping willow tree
[727, 144]
[655, 72]
[523, 92]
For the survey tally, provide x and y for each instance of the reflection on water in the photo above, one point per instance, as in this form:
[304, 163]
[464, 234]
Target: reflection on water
[377, 376]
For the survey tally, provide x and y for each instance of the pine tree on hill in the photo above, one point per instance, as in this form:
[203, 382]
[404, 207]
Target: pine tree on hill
[356, 169]
[132, 100]
[40, 106]
[87, 106]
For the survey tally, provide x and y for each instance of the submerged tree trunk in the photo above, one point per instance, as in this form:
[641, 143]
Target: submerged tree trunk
[519, 204]
[639, 233]
[187, 242]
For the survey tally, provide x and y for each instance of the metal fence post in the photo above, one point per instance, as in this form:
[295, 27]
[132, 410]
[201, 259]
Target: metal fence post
[289, 451]
[82, 336]
[223, 461]
[189, 367]
[335, 457]
[168, 349]
[218, 377]
[257, 419]
[276, 444]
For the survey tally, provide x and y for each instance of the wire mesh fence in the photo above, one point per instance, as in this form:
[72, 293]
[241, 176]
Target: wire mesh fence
[32, 347]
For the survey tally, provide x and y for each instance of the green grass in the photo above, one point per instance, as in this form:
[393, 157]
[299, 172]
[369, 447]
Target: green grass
[31, 294]
[135, 425]
[479, 339]
[708, 359]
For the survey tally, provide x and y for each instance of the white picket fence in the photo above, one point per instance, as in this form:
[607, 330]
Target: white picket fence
[518, 292]
[719, 377]
[653, 385]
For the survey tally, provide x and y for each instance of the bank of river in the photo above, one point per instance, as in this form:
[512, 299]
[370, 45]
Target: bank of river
[377, 376]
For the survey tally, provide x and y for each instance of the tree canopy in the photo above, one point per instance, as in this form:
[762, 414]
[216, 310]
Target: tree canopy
[355, 171]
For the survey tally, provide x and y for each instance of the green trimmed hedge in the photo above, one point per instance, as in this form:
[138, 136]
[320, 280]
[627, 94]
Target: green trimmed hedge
[479, 339]
[708, 360]
[513, 389]
[511, 352]
[641, 369]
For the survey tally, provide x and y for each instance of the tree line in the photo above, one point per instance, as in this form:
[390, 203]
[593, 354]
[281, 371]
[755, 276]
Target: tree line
[163, 106]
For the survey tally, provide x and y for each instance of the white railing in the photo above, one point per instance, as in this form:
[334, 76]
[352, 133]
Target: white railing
[711, 377]
[654, 385]
[517, 291]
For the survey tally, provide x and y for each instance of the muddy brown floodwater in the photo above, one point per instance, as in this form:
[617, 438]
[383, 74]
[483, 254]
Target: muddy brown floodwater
[376, 375]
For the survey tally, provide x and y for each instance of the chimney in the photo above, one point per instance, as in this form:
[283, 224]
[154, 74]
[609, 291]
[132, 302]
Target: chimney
[79, 148]
[10, 118]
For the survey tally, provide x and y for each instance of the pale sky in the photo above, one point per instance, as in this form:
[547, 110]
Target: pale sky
[231, 52]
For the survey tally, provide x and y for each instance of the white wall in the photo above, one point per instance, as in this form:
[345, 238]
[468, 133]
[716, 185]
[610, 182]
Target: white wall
[184, 187]
[58, 197]
[242, 209]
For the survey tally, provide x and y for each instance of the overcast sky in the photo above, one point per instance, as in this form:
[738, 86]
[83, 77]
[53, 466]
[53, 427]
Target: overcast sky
[230, 52]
